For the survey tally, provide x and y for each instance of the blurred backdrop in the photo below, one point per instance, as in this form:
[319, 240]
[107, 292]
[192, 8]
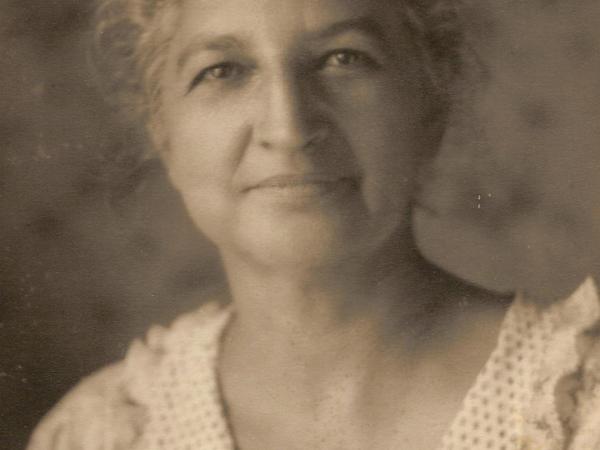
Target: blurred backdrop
[88, 261]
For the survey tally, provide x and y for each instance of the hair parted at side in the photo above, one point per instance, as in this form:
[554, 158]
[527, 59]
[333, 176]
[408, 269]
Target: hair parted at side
[132, 36]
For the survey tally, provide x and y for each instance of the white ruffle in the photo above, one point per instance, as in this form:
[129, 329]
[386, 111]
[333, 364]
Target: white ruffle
[165, 394]
[173, 374]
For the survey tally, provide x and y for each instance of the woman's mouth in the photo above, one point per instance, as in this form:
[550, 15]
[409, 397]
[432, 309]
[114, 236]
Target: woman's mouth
[304, 186]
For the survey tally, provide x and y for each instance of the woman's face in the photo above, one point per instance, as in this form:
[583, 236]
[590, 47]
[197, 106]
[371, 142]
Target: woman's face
[295, 126]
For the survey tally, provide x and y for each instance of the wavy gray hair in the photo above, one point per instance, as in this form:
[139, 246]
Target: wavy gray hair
[131, 38]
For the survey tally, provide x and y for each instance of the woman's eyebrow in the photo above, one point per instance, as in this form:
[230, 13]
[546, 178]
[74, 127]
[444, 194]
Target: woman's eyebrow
[365, 24]
[208, 43]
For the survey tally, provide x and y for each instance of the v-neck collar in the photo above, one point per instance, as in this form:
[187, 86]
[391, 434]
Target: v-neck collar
[511, 405]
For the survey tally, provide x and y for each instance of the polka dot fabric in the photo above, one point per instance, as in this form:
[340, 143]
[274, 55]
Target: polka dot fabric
[491, 416]
[181, 390]
[165, 395]
[513, 403]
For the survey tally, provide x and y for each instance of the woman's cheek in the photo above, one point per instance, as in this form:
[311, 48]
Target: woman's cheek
[386, 142]
[202, 160]
[197, 144]
[200, 177]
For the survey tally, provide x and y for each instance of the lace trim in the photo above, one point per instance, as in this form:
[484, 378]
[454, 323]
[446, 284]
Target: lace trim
[587, 418]
[563, 323]
[513, 403]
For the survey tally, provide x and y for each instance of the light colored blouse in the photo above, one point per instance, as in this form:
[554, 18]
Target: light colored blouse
[539, 390]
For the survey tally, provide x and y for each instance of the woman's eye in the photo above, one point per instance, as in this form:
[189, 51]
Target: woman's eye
[348, 59]
[222, 71]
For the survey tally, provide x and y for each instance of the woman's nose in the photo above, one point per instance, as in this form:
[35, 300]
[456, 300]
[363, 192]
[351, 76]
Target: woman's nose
[289, 117]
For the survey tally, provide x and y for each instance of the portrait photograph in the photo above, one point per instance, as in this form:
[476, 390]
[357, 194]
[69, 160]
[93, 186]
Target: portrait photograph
[300, 225]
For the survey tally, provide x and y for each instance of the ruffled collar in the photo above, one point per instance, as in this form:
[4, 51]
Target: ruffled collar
[545, 357]
[518, 399]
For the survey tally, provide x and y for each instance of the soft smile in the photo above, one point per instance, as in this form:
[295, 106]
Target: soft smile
[304, 185]
[300, 180]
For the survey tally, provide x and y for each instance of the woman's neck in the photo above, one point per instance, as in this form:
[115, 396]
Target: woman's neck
[376, 304]
[354, 339]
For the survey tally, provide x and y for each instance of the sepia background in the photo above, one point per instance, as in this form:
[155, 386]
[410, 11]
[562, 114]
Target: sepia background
[93, 248]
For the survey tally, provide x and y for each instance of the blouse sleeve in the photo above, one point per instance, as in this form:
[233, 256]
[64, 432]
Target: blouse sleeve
[113, 408]
[98, 414]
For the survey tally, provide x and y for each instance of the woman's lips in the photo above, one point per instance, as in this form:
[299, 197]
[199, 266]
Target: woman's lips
[304, 185]
[299, 180]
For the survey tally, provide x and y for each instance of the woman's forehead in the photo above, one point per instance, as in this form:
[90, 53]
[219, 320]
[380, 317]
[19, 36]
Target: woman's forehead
[313, 15]
[214, 24]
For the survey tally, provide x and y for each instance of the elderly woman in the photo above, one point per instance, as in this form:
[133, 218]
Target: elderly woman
[294, 130]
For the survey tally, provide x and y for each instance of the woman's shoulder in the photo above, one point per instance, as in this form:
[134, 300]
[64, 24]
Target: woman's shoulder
[109, 409]
[81, 419]
[557, 345]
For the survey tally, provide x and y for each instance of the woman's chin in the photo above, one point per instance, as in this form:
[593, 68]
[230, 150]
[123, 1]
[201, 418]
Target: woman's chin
[296, 249]
[308, 241]
[297, 263]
